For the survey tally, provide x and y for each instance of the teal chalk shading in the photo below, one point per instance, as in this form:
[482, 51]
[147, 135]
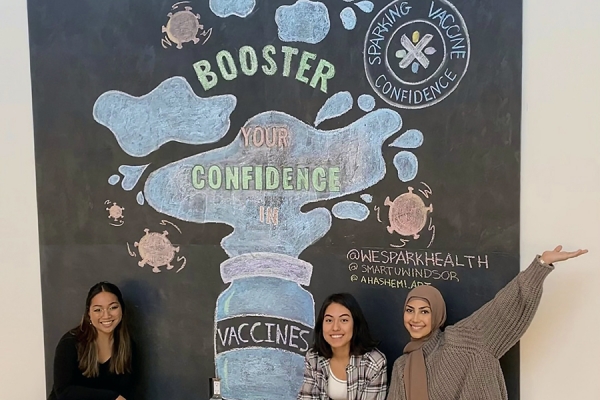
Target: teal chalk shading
[131, 175]
[365, 6]
[411, 139]
[114, 179]
[226, 8]
[350, 210]
[348, 17]
[304, 21]
[171, 112]
[366, 102]
[335, 106]
[407, 165]
[140, 198]
[170, 190]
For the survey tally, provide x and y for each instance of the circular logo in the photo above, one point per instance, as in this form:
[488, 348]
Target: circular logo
[416, 52]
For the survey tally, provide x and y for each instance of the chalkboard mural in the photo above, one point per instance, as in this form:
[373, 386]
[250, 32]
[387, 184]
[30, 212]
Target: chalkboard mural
[229, 164]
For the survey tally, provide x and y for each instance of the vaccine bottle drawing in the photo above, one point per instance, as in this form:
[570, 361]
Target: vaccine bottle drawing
[263, 326]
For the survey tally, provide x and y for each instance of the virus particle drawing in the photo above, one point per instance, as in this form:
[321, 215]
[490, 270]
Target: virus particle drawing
[408, 214]
[156, 250]
[183, 27]
[115, 212]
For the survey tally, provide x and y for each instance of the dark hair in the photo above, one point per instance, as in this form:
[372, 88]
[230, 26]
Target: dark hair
[362, 341]
[86, 334]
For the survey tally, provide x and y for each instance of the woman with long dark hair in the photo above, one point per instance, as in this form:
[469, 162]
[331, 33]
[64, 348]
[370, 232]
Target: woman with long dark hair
[93, 361]
[343, 363]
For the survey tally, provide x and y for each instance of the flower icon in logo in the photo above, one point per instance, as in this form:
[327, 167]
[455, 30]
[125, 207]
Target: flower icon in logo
[415, 51]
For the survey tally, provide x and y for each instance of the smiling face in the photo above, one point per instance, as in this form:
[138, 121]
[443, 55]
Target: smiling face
[105, 312]
[417, 318]
[338, 327]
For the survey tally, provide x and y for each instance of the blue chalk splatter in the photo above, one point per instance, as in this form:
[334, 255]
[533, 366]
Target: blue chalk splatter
[171, 112]
[338, 104]
[225, 8]
[348, 17]
[366, 102]
[305, 21]
[365, 6]
[350, 210]
[131, 175]
[114, 179]
[414, 67]
[411, 139]
[407, 165]
[263, 284]
[140, 198]
[367, 198]
[170, 189]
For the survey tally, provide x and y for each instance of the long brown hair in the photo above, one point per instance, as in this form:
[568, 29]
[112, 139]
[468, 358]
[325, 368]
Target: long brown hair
[86, 334]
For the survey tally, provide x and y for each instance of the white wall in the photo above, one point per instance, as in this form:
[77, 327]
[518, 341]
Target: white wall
[560, 194]
[560, 202]
[21, 345]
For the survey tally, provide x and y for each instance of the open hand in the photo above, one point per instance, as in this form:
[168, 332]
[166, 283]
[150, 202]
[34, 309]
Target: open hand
[552, 256]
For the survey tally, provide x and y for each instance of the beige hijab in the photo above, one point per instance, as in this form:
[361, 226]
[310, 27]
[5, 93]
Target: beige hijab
[415, 374]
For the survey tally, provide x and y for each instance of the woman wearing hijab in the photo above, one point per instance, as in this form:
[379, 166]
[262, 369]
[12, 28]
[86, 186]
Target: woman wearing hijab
[462, 362]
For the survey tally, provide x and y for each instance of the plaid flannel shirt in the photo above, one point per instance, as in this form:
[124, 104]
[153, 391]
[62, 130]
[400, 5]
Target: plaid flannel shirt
[366, 377]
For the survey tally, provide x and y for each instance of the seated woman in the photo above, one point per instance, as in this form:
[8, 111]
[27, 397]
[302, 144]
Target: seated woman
[93, 361]
[461, 362]
[343, 363]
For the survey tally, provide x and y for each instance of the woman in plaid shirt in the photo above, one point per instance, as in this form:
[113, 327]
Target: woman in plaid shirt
[343, 363]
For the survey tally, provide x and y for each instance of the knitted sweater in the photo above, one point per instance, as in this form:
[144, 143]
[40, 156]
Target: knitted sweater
[462, 362]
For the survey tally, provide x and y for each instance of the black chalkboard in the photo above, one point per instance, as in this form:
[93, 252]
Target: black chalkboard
[229, 166]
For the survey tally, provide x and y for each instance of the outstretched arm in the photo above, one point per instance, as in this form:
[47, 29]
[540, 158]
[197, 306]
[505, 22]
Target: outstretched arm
[556, 255]
[499, 324]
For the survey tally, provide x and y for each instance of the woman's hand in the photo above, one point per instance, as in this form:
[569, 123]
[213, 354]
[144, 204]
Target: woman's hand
[120, 398]
[552, 256]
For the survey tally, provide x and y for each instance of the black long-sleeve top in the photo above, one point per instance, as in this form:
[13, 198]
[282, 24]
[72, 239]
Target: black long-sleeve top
[70, 384]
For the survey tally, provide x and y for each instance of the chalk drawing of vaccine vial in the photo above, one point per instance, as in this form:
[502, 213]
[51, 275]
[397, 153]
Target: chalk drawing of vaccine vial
[263, 326]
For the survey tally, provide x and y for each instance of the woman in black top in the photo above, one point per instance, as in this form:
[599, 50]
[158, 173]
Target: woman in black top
[93, 361]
